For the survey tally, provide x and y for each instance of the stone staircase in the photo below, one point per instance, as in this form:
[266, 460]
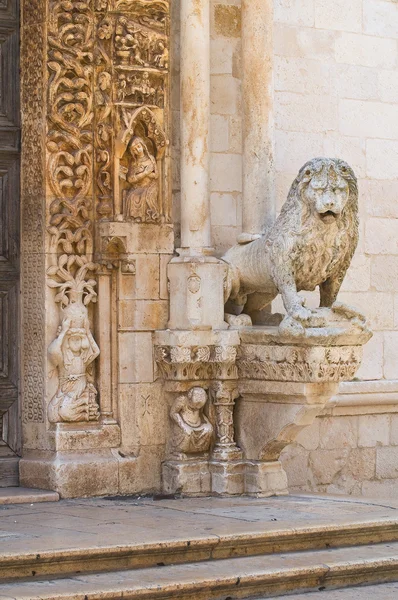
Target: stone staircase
[236, 558]
[240, 566]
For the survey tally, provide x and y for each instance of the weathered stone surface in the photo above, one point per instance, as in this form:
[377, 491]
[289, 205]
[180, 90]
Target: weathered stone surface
[373, 430]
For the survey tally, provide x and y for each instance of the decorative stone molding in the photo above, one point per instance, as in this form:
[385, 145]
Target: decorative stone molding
[196, 363]
[33, 211]
[324, 354]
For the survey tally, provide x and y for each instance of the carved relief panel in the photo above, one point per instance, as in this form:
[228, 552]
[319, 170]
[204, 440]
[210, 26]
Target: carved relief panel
[108, 78]
[132, 58]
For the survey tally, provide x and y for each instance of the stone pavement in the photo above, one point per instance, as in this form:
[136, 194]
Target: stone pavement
[116, 521]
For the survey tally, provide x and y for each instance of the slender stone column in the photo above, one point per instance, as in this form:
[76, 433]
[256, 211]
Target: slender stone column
[196, 278]
[258, 121]
[195, 125]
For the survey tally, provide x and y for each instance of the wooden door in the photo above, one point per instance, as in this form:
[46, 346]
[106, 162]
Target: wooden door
[9, 242]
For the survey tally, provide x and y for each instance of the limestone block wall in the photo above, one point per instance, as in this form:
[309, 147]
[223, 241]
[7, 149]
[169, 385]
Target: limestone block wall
[336, 93]
[352, 448]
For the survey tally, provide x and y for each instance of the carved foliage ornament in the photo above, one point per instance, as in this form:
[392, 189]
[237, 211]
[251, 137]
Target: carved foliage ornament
[196, 363]
[298, 363]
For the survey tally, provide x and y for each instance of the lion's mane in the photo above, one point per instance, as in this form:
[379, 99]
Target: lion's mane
[296, 235]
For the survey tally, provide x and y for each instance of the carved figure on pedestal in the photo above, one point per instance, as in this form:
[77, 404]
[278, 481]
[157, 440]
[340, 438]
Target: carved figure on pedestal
[311, 244]
[140, 148]
[74, 349]
[72, 352]
[192, 431]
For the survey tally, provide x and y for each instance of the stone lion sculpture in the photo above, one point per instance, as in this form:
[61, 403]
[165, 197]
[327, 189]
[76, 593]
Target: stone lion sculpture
[310, 244]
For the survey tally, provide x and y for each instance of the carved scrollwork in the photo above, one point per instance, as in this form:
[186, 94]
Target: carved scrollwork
[70, 98]
[103, 118]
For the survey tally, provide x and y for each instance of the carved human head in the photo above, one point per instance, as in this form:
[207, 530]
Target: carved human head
[326, 184]
[197, 398]
[137, 146]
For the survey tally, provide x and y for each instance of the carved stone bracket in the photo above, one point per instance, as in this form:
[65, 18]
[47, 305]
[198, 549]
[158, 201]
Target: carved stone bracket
[265, 387]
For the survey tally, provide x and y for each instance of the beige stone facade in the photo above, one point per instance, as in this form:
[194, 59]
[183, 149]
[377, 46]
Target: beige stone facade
[155, 135]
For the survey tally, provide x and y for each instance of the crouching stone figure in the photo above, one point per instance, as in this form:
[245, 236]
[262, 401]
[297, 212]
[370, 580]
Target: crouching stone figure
[311, 244]
[192, 431]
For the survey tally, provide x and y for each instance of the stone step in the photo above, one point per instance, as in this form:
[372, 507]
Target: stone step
[20, 495]
[249, 577]
[383, 591]
[33, 558]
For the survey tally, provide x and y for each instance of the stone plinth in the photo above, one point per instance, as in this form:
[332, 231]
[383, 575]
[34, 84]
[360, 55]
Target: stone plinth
[198, 362]
[197, 292]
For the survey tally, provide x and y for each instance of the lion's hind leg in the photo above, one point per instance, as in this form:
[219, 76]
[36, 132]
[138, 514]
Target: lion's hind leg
[256, 307]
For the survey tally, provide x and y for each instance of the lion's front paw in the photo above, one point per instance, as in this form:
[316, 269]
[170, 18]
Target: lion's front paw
[349, 312]
[300, 314]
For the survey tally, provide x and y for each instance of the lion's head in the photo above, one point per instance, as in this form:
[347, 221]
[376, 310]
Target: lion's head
[328, 188]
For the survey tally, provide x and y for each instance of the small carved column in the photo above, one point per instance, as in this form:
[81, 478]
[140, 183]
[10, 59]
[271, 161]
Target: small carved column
[225, 395]
[226, 465]
[258, 121]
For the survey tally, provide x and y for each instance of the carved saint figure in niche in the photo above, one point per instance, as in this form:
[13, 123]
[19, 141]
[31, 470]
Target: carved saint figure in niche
[162, 56]
[141, 201]
[192, 431]
[72, 352]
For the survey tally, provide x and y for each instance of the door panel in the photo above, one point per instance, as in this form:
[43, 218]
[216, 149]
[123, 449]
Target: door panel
[9, 239]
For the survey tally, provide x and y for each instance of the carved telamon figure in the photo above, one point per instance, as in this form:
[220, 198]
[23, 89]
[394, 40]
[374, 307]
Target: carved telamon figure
[311, 244]
[141, 201]
[192, 431]
[72, 352]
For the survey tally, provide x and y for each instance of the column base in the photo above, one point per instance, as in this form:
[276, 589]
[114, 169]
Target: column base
[71, 474]
[265, 479]
[227, 478]
[191, 477]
